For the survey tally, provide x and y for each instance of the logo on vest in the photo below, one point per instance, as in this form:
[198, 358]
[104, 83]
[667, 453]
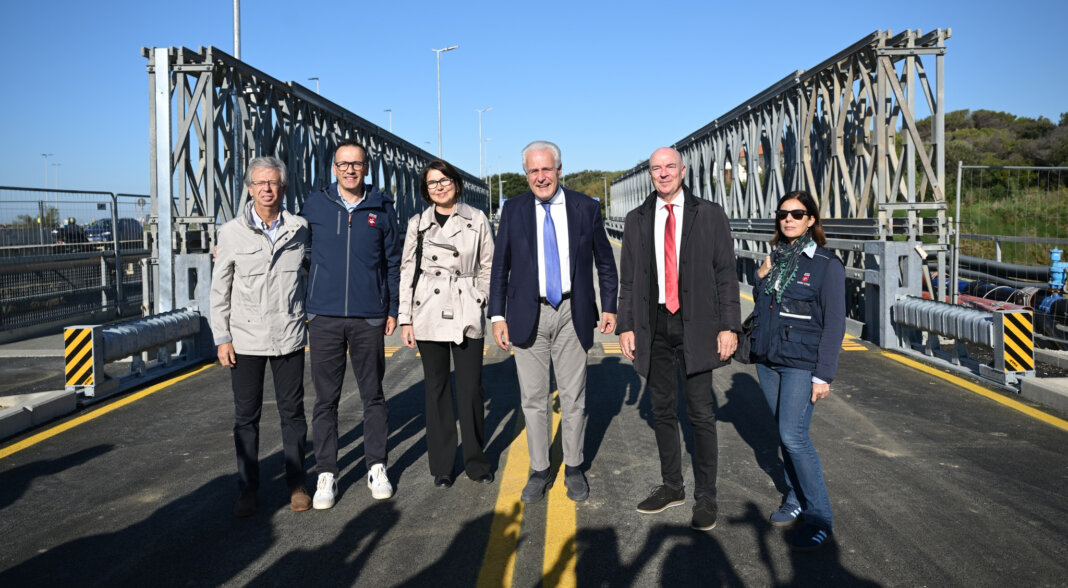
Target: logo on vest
[372, 220]
[804, 278]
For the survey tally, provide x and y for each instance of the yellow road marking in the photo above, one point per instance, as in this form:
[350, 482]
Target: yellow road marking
[52, 432]
[391, 349]
[1018, 406]
[498, 563]
[612, 348]
[558, 561]
[614, 242]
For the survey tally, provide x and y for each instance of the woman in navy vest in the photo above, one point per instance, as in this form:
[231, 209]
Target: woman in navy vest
[800, 321]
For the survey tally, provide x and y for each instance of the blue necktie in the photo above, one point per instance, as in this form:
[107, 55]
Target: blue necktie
[552, 260]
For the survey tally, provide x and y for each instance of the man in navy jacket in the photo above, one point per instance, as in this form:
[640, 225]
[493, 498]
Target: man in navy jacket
[542, 299]
[353, 297]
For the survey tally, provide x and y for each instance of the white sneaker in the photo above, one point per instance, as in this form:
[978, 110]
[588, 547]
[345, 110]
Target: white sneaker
[378, 482]
[325, 492]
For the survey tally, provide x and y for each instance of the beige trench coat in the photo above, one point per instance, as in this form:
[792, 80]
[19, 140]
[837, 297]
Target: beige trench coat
[452, 292]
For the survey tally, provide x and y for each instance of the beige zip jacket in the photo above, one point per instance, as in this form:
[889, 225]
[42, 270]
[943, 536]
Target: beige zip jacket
[453, 289]
[257, 288]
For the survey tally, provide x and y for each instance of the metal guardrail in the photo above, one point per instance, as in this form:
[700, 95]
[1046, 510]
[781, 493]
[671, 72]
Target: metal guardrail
[1009, 333]
[171, 341]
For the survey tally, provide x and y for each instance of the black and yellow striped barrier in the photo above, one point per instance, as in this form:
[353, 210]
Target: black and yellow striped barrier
[1014, 341]
[81, 346]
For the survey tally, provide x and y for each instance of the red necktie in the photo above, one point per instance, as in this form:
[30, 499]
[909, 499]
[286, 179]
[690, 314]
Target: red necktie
[671, 266]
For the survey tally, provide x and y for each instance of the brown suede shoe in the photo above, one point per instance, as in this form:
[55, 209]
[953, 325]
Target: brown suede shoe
[247, 503]
[299, 499]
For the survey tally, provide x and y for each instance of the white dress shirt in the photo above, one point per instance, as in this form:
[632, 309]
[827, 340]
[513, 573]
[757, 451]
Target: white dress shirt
[559, 212]
[659, 222]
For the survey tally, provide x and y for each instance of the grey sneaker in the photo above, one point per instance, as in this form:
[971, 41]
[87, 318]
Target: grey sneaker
[536, 486]
[663, 498]
[577, 487]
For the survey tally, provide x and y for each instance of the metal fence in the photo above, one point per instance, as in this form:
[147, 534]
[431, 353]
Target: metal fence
[68, 255]
[1012, 214]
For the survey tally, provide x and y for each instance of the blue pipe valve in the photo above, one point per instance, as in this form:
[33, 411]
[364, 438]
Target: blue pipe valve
[1057, 270]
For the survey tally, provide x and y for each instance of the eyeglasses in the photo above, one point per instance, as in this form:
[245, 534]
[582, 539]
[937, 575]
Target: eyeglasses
[265, 183]
[797, 213]
[442, 183]
[346, 165]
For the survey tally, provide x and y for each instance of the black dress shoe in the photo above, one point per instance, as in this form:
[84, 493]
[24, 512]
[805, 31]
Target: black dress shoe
[484, 478]
[443, 481]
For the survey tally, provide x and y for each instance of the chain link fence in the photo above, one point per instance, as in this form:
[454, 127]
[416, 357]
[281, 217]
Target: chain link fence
[67, 256]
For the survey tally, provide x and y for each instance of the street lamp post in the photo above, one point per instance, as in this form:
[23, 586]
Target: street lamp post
[56, 165]
[46, 156]
[438, 53]
[316, 84]
[480, 111]
[390, 111]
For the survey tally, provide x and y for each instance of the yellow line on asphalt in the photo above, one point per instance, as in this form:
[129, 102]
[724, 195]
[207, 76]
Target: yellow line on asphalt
[1019, 406]
[558, 561]
[498, 563]
[52, 432]
[614, 242]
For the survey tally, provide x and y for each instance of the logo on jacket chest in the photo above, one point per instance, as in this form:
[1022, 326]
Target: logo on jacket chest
[372, 219]
[804, 278]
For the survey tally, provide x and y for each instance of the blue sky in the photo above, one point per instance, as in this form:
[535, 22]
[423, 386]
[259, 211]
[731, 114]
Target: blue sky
[607, 81]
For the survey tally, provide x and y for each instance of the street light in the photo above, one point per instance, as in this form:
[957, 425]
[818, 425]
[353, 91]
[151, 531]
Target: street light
[56, 165]
[390, 111]
[316, 84]
[480, 111]
[438, 53]
[46, 156]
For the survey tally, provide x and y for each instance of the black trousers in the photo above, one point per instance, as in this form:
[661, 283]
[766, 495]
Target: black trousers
[666, 353]
[246, 377]
[330, 338]
[440, 419]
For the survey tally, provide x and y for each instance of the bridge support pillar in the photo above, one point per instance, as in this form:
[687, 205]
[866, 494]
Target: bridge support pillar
[892, 270]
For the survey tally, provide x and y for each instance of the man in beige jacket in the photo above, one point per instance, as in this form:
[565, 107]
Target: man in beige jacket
[257, 316]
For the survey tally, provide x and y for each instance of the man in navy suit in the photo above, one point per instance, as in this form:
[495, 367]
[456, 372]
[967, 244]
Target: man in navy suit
[542, 301]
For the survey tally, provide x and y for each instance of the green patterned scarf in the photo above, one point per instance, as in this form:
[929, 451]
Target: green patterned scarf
[784, 266]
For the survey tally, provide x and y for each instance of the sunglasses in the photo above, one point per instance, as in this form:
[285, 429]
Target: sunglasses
[797, 213]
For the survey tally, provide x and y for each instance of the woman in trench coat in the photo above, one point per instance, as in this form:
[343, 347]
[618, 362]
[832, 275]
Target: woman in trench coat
[445, 274]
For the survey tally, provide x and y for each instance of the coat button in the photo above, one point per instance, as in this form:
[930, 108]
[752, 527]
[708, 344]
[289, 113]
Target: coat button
[456, 254]
[478, 300]
[457, 272]
[436, 291]
[469, 225]
[437, 273]
[459, 291]
[435, 258]
[417, 303]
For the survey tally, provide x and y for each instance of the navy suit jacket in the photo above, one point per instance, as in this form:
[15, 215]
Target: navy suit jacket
[514, 291]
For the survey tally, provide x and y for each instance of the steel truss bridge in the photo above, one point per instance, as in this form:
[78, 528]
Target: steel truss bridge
[846, 130]
[209, 115]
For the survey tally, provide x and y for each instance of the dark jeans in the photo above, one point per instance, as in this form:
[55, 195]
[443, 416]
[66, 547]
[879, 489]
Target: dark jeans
[666, 352]
[330, 338]
[789, 395]
[440, 419]
[287, 372]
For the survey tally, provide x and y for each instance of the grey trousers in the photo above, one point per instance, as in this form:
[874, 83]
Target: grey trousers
[556, 341]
